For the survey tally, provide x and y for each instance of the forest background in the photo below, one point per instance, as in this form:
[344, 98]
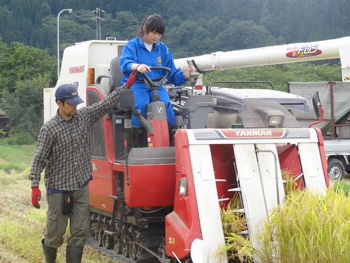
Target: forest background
[28, 64]
[28, 39]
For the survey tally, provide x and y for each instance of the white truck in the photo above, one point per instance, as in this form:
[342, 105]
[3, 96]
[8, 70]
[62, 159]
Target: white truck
[334, 96]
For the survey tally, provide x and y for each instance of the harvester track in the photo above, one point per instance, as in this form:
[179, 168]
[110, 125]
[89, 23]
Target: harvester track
[124, 246]
[91, 242]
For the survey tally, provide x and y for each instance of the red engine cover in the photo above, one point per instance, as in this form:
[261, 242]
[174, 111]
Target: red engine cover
[150, 185]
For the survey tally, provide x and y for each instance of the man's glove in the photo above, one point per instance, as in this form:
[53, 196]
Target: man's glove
[36, 196]
[131, 80]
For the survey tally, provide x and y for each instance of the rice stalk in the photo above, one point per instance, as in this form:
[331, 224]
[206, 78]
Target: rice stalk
[308, 228]
[238, 246]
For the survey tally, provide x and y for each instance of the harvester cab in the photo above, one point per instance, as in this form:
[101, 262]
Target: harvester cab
[156, 122]
[158, 133]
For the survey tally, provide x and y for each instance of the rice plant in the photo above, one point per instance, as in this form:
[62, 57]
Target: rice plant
[238, 245]
[309, 228]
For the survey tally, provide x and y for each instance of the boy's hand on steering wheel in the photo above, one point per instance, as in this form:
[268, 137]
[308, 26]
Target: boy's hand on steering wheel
[143, 68]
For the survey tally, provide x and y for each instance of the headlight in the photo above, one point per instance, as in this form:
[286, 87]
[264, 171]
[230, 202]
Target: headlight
[271, 117]
[275, 121]
[183, 186]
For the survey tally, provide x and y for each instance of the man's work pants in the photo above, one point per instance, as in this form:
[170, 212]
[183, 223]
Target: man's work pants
[57, 222]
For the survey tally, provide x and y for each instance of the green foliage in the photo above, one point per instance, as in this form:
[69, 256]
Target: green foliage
[24, 72]
[278, 75]
[24, 107]
[342, 186]
[127, 25]
[193, 27]
[243, 34]
[19, 62]
[18, 136]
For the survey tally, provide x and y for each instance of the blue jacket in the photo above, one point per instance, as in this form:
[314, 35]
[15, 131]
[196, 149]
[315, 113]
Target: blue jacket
[160, 55]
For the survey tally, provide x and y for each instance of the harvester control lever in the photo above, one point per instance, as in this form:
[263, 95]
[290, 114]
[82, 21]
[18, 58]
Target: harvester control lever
[179, 94]
[193, 79]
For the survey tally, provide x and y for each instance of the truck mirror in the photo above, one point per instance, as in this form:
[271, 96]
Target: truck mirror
[316, 102]
[127, 99]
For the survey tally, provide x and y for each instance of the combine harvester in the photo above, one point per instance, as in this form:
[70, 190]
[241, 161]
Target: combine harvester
[158, 198]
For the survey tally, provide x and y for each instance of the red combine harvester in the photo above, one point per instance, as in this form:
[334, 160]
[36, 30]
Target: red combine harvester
[157, 192]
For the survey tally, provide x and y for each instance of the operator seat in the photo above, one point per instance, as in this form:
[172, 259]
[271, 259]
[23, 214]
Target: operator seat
[116, 72]
[117, 77]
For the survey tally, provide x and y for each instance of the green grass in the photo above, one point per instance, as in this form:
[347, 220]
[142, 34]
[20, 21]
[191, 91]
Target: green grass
[15, 157]
[343, 185]
[22, 226]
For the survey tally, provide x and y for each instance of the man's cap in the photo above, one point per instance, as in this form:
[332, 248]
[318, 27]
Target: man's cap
[69, 93]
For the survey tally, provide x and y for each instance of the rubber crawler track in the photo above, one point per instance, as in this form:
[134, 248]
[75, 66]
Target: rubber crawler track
[91, 242]
[103, 240]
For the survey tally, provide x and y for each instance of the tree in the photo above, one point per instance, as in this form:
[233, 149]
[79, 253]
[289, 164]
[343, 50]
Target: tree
[278, 75]
[4, 49]
[178, 39]
[24, 63]
[242, 35]
[126, 24]
[24, 107]
[43, 12]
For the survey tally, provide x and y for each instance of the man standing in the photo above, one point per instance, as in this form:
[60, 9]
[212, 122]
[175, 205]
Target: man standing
[63, 148]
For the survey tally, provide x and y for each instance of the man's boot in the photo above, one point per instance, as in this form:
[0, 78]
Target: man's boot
[49, 252]
[74, 254]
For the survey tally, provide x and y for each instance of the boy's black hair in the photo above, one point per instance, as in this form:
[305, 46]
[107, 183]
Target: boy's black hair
[153, 23]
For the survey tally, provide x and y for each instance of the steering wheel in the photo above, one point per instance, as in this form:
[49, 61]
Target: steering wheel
[154, 84]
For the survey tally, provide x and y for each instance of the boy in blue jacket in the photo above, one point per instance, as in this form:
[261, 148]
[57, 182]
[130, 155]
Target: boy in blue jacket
[147, 51]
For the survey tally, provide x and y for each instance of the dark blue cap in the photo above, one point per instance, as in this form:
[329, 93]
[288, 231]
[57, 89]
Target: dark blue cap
[69, 93]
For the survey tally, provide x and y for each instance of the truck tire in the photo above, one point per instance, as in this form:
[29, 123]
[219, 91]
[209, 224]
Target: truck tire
[336, 170]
